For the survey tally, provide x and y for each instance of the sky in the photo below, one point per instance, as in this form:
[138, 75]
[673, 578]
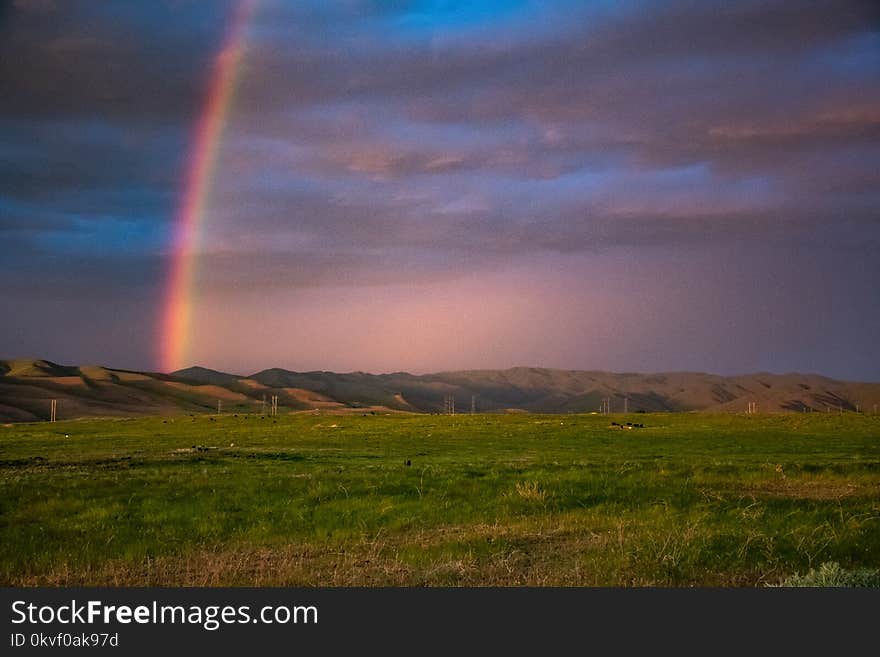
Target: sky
[435, 185]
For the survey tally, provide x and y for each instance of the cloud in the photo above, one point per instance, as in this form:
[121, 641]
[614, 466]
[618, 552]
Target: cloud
[613, 95]
[374, 144]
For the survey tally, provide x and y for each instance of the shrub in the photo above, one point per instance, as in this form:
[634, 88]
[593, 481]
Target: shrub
[831, 574]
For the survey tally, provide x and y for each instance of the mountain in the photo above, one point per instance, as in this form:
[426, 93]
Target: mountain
[204, 375]
[27, 386]
[554, 391]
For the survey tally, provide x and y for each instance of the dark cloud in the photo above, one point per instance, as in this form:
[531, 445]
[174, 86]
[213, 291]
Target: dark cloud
[107, 61]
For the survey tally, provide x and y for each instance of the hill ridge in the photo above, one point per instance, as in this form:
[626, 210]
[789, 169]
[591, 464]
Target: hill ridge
[27, 386]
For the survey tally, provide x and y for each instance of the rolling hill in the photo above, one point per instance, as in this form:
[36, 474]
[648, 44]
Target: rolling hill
[27, 386]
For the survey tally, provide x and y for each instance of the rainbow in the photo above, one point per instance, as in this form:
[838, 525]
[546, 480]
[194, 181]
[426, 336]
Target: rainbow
[178, 301]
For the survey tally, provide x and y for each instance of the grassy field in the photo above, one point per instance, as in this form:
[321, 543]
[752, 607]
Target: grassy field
[690, 499]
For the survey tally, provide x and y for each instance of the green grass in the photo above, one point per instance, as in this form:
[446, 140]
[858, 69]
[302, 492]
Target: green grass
[691, 499]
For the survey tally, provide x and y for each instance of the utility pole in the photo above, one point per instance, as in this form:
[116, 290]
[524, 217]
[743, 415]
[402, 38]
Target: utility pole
[219, 407]
[53, 410]
[449, 405]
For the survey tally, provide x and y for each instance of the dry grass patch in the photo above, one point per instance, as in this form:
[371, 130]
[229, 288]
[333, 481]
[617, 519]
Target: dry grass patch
[480, 555]
[811, 490]
[531, 491]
